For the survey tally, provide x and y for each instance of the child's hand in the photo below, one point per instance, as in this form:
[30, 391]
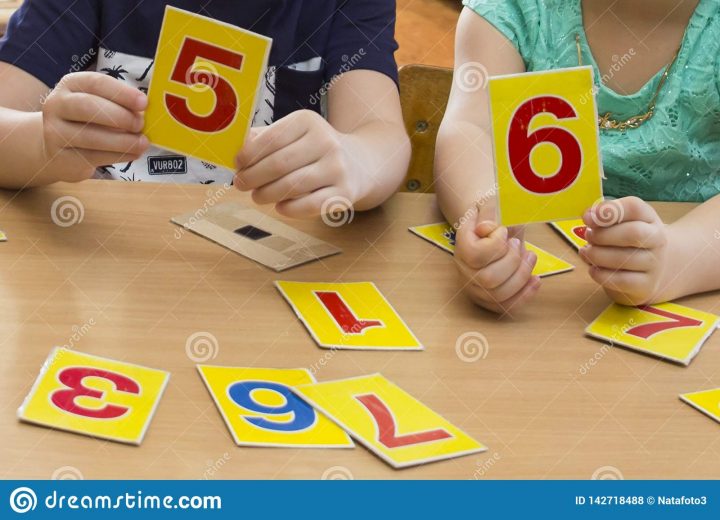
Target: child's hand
[297, 163]
[627, 251]
[496, 272]
[91, 120]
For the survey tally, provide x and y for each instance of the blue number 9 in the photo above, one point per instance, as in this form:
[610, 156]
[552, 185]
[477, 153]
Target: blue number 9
[303, 415]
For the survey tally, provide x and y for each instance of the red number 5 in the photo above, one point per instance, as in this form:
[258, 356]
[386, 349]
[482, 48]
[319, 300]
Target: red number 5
[226, 99]
[73, 378]
[521, 144]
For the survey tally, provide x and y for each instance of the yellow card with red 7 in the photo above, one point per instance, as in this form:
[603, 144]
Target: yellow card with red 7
[443, 236]
[260, 409]
[546, 145]
[204, 88]
[94, 396]
[352, 316]
[573, 231]
[388, 421]
[668, 331]
[707, 402]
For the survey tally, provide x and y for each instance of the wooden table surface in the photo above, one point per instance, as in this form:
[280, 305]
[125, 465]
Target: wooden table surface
[145, 292]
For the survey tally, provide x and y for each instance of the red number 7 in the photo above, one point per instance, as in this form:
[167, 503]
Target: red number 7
[226, 99]
[648, 330]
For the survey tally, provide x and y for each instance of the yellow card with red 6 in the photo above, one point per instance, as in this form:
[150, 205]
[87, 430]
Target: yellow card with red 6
[94, 396]
[260, 408]
[388, 421]
[707, 402]
[204, 88]
[348, 316]
[573, 231]
[668, 331]
[546, 145]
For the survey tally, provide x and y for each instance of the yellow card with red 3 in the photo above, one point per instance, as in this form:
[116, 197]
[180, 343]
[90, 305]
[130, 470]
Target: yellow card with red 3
[546, 145]
[204, 88]
[707, 402]
[443, 236]
[353, 316]
[573, 231]
[260, 409]
[94, 396]
[668, 331]
[388, 421]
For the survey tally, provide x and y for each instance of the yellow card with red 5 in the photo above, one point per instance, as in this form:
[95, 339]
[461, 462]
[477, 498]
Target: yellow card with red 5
[707, 402]
[573, 231]
[388, 421]
[546, 145]
[352, 316]
[260, 408]
[668, 331]
[204, 87]
[94, 396]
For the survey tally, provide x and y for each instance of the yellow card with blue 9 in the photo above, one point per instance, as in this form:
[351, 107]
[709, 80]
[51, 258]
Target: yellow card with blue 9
[204, 88]
[352, 316]
[94, 396]
[573, 231]
[546, 145]
[388, 421]
[260, 409]
[668, 330]
[707, 402]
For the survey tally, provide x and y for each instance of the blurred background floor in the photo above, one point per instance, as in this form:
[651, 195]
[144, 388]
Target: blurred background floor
[426, 31]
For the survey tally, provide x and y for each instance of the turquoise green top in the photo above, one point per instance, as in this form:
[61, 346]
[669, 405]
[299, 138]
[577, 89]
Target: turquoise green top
[675, 155]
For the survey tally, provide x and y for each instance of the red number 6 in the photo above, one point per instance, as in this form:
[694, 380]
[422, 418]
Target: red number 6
[73, 378]
[521, 144]
[226, 99]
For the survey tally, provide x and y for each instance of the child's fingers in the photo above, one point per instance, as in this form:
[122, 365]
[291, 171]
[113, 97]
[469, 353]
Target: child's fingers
[95, 158]
[477, 252]
[308, 206]
[629, 234]
[517, 280]
[269, 140]
[298, 183]
[626, 282]
[498, 272]
[627, 258]
[525, 294]
[86, 108]
[277, 165]
[106, 87]
[614, 212]
[94, 137]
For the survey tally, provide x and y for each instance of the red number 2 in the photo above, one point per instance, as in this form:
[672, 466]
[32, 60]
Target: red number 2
[521, 144]
[226, 99]
[73, 379]
[646, 330]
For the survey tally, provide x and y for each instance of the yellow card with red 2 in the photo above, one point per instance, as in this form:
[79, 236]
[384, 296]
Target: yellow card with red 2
[391, 423]
[573, 231]
[707, 402]
[204, 89]
[94, 396]
[668, 331]
[546, 145]
[443, 236]
[352, 316]
[260, 408]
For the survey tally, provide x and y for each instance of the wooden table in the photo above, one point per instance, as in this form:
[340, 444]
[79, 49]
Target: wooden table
[146, 292]
[7, 8]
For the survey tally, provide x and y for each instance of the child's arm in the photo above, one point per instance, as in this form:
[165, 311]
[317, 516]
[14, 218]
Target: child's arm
[360, 154]
[495, 271]
[640, 260]
[87, 121]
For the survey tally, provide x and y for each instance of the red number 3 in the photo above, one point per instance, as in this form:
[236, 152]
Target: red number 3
[226, 99]
[73, 378]
[521, 144]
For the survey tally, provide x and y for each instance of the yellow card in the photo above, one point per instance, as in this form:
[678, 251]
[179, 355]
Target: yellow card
[260, 409]
[667, 330]
[204, 88]
[573, 231]
[94, 396]
[3, 236]
[388, 421]
[348, 316]
[546, 145]
[443, 236]
[707, 402]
